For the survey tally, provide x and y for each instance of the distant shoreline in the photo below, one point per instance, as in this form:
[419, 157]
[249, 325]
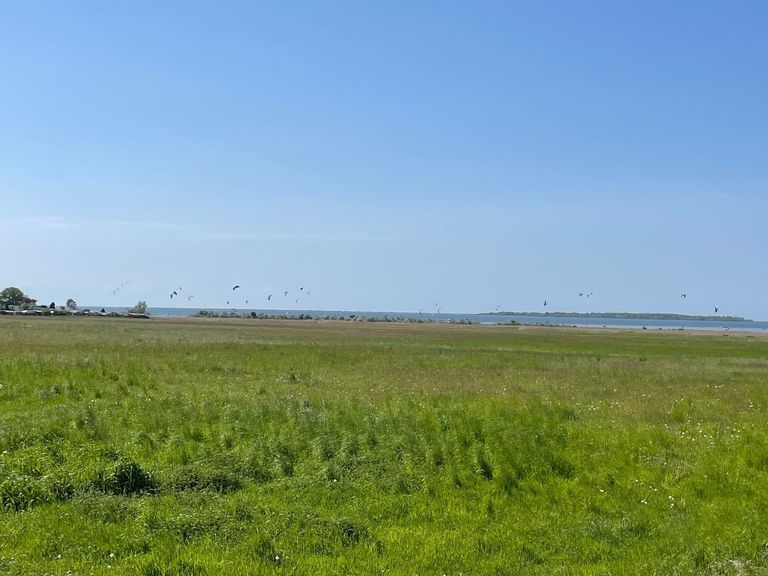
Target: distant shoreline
[630, 318]
[625, 316]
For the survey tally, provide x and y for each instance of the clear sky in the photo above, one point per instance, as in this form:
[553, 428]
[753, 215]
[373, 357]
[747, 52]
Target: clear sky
[387, 155]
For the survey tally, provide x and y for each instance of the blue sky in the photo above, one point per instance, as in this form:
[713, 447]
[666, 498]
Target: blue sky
[389, 155]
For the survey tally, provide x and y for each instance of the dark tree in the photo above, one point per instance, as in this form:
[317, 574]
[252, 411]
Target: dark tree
[11, 296]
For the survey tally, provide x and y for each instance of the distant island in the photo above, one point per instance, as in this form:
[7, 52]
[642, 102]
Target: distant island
[624, 316]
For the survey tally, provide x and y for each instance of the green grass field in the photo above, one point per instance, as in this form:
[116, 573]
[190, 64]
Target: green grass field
[165, 447]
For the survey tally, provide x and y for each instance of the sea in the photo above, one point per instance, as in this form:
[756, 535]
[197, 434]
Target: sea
[591, 322]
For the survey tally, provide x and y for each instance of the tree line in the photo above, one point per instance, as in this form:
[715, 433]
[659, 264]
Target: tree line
[15, 297]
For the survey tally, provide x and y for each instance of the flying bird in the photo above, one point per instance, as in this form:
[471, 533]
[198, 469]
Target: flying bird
[189, 297]
[683, 295]
[285, 293]
[174, 293]
[124, 283]
[545, 302]
[269, 297]
[116, 290]
[717, 309]
[235, 287]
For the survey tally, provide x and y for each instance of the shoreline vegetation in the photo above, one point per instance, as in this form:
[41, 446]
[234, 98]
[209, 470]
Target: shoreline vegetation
[362, 317]
[625, 316]
[344, 318]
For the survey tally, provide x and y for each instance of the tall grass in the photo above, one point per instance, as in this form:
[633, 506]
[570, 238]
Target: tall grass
[255, 447]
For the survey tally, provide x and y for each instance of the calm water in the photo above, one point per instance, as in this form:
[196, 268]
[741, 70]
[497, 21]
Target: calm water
[483, 318]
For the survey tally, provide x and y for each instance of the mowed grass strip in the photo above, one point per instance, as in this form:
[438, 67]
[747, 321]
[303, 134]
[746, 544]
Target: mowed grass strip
[258, 447]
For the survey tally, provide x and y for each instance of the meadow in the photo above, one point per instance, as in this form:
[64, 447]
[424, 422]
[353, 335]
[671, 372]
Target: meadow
[206, 447]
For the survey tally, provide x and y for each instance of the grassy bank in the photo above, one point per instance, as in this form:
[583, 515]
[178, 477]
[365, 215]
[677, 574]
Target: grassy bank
[256, 447]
